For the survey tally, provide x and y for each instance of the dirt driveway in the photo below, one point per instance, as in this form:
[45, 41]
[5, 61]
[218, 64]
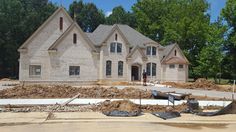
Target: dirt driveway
[97, 122]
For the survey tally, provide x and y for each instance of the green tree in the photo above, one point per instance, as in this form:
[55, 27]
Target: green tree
[185, 22]
[88, 16]
[120, 16]
[229, 15]
[211, 56]
[19, 19]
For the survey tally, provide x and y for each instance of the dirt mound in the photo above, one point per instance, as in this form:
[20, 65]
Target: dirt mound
[5, 79]
[199, 83]
[120, 105]
[204, 83]
[63, 91]
[126, 105]
[161, 108]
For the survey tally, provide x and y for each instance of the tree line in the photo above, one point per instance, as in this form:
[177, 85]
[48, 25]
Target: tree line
[209, 46]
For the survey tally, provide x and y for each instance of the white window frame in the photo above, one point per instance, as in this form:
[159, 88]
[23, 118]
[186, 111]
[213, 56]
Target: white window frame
[151, 49]
[151, 68]
[116, 47]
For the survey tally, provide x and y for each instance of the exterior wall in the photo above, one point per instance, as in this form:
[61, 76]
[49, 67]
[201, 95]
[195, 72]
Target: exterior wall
[136, 60]
[115, 57]
[37, 52]
[178, 54]
[70, 54]
[176, 74]
[153, 59]
[55, 65]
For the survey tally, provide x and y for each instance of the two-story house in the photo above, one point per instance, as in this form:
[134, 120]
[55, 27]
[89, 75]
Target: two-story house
[59, 51]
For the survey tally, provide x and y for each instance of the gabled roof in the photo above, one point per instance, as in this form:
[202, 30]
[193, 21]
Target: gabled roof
[139, 50]
[175, 60]
[73, 25]
[134, 38]
[168, 49]
[23, 46]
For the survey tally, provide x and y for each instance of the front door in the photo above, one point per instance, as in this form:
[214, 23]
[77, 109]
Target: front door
[135, 73]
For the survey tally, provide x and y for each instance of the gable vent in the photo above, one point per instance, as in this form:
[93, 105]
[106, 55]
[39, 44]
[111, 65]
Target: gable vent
[61, 23]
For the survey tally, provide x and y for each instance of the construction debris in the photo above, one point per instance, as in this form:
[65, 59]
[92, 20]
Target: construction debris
[122, 108]
[167, 115]
[161, 95]
[200, 83]
[229, 109]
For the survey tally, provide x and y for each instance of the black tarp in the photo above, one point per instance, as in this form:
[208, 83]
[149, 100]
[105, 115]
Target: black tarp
[167, 115]
[229, 109]
[118, 113]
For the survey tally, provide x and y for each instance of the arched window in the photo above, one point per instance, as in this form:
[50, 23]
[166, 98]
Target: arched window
[108, 68]
[120, 68]
[154, 66]
[175, 52]
[61, 23]
[74, 38]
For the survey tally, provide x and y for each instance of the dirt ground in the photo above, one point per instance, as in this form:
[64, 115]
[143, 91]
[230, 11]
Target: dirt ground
[106, 106]
[97, 122]
[64, 91]
[200, 83]
[109, 126]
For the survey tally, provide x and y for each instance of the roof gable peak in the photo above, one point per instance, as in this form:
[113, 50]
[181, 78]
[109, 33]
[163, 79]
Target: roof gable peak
[49, 19]
[71, 27]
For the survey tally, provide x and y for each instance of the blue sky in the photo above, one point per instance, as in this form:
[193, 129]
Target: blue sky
[108, 5]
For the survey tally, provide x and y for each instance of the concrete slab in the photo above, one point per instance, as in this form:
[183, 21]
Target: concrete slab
[95, 101]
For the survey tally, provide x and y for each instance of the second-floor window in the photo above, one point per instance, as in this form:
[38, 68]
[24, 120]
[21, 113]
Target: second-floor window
[151, 50]
[115, 47]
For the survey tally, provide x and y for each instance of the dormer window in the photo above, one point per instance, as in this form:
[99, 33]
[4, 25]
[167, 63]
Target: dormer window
[61, 23]
[115, 47]
[151, 50]
[74, 38]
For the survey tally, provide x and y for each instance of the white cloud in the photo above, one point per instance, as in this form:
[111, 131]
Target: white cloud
[108, 13]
